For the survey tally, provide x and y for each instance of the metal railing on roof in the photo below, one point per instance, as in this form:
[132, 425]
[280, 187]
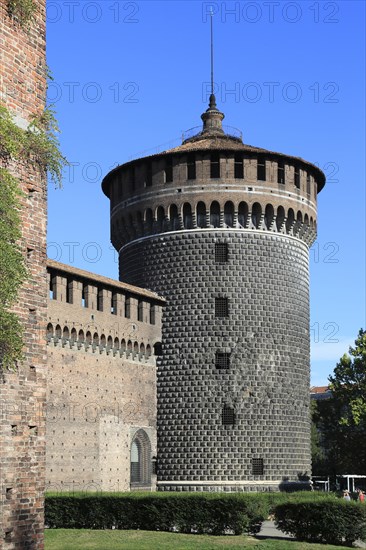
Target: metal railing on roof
[229, 131]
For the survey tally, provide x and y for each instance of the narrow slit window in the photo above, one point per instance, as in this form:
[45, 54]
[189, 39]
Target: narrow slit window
[222, 360]
[257, 466]
[281, 173]
[191, 167]
[261, 169]
[215, 165]
[83, 296]
[238, 166]
[228, 416]
[127, 307]
[152, 314]
[69, 296]
[99, 299]
[221, 253]
[308, 184]
[169, 170]
[140, 310]
[297, 177]
[221, 307]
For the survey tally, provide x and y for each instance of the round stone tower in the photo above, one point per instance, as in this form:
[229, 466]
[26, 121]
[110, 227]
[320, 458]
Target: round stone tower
[222, 230]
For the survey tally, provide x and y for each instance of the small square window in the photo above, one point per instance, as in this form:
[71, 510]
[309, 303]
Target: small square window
[228, 416]
[221, 253]
[222, 360]
[257, 466]
[221, 307]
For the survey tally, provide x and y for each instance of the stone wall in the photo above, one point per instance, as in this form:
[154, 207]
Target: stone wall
[101, 381]
[23, 391]
[254, 362]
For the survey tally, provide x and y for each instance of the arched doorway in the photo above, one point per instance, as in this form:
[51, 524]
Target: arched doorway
[140, 462]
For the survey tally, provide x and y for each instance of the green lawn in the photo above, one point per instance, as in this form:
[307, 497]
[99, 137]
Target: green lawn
[80, 539]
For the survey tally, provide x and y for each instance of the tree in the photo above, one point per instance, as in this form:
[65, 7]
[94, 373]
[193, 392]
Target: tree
[341, 420]
[348, 384]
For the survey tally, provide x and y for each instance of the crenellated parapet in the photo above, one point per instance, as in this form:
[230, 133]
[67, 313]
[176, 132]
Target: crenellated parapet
[211, 183]
[94, 314]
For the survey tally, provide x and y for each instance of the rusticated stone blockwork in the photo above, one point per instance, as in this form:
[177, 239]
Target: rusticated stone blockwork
[233, 384]
[101, 398]
[23, 392]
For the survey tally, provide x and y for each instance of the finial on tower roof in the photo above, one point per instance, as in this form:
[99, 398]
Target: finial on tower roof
[212, 118]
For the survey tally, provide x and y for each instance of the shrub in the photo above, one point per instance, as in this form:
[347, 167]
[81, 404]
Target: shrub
[328, 520]
[208, 513]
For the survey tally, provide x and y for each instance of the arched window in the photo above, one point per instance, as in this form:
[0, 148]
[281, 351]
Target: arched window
[66, 333]
[103, 340]
[88, 337]
[256, 214]
[201, 215]
[136, 347]
[123, 345]
[160, 216]
[290, 220]
[74, 335]
[149, 220]
[129, 346]
[49, 331]
[139, 224]
[158, 349]
[96, 339]
[142, 348]
[148, 350]
[280, 217]
[116, 343]
[140, 460]
[187, 216]
[215, 214]
[243, 214]
[269, 215]
[229, 214]
[58, 331]
[110, 342]
[81, 337]
[174, 218]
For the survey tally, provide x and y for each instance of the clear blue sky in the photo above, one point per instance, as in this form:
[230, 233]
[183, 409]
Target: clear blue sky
[130, 76]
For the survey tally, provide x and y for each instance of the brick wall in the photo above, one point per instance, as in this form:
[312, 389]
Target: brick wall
[101, 387]
[23, 392]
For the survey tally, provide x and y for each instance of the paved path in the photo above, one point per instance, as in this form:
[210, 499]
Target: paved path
[269, 531]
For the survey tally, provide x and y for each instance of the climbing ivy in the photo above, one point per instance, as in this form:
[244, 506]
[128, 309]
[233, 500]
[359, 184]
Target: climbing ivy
[38, 145]
[22, 11]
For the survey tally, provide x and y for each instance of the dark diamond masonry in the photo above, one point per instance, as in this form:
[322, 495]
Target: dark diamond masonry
[266, 333]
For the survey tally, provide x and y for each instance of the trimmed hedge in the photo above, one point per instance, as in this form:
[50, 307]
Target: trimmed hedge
[204, 513]
[329, 520]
